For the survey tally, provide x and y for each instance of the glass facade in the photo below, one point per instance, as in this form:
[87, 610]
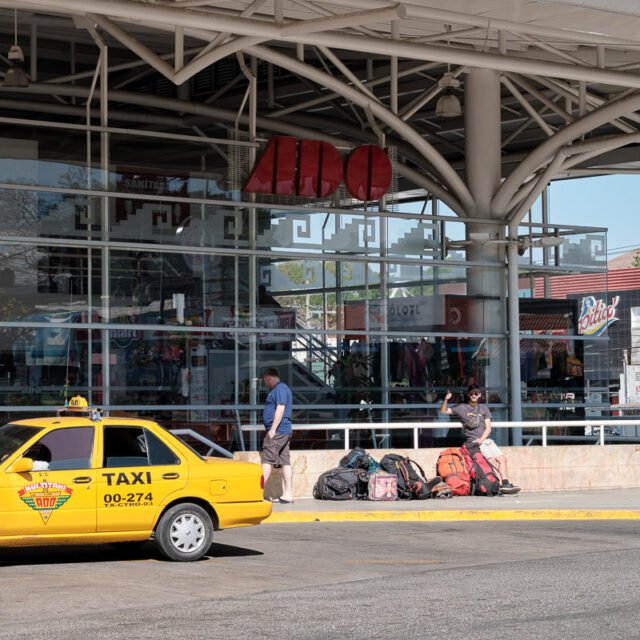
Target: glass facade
[135, 271]
[564, 364]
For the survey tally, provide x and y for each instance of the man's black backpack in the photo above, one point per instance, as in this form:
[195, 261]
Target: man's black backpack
[357, 458]
[411, 484]
[342, 484]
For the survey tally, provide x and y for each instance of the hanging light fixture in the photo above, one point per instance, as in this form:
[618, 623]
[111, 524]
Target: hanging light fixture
[448, 105]
[15, 75]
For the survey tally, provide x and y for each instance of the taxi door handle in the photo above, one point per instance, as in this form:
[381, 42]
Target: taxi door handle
[170, 476]
[82, 479]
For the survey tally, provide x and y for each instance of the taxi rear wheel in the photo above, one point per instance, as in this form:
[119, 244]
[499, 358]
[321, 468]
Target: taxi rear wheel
[184, 532]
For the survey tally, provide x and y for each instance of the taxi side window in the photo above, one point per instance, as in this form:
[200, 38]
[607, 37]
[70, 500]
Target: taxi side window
[135, 447]
[67, 448]
[159, 452]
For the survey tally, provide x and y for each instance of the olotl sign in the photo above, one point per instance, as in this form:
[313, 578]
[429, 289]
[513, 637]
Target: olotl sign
[596, 315]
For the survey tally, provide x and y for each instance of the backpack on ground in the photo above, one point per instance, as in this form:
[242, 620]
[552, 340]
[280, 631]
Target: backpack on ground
[383, 486]
[411, 484]
[357, 458]
[484, 477]
[441, 490]
[341, 484]
[452, 469]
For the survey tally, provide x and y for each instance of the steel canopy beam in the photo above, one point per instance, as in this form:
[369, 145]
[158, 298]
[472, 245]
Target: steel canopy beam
[218, 21]
[416, 9]
[472, 58]
[562, 137]
[340, 21]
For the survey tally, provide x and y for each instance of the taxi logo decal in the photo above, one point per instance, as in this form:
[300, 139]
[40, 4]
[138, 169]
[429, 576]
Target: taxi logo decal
[45, 497]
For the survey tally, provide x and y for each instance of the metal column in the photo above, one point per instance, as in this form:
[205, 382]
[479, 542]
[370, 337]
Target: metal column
[514, 335]
[483, 166]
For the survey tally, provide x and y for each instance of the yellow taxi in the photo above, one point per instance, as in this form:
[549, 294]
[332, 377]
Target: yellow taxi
[78, 478]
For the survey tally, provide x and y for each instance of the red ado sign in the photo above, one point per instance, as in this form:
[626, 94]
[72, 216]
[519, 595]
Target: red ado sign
[314, 169]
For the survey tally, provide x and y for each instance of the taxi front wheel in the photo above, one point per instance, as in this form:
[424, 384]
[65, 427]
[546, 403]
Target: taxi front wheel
[184, 532]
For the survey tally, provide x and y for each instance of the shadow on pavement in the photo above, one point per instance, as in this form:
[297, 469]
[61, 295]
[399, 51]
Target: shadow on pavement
[122, 552]
[228, 551]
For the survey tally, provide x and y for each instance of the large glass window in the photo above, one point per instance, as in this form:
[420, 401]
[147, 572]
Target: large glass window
[178, 288]
[325, 232]
[48, 364]
[369, 316]
[173, 166]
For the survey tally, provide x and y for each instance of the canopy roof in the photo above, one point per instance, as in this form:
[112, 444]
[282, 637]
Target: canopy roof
[348, 72]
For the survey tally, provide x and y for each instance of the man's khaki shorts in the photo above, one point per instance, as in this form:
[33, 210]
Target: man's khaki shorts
[276, 450]
[489, 449]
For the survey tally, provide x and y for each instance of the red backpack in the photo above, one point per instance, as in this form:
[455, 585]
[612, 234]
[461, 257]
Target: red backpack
[453, 470]
[484, 478]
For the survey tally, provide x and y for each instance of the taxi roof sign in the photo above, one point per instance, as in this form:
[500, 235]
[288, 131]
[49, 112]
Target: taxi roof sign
[78, 402]
[77, 405]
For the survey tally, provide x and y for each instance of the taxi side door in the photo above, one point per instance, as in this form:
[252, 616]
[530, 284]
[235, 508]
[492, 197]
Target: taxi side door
[139, 472]
[58, 496]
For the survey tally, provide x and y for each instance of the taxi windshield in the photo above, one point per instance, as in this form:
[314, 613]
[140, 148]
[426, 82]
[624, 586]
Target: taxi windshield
[13, 436]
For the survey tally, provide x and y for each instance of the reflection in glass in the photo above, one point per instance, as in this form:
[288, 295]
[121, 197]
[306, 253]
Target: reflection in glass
[48, 365]
[147, 165]
[325, 232]
[46, 284]
[49, 215]
[140, 219]
[553, 372]
[177, 288]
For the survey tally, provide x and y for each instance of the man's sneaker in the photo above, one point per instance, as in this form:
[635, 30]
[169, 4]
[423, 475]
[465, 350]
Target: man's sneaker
[509, 489]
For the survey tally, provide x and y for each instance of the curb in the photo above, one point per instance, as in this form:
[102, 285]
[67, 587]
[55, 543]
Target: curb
[278, 517]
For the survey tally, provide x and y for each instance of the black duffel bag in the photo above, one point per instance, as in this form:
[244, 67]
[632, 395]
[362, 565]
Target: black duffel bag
[342, 484]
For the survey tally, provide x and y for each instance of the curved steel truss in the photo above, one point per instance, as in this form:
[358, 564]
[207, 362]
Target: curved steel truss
[364, 70]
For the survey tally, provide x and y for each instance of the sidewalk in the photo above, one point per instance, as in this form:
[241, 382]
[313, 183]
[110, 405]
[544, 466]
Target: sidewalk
[596, 504]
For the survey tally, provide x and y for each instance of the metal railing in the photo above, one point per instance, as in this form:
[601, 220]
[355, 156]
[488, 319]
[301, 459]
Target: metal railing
[416, 426]
[196, 436]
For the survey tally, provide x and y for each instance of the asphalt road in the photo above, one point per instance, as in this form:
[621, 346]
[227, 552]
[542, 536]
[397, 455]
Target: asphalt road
[349, 580]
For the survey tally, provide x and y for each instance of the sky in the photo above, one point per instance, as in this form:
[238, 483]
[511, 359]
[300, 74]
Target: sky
[608, 201]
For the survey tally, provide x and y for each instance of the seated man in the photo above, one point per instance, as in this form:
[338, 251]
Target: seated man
[476, 421]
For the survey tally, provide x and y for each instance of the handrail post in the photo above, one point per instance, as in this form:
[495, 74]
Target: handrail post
[602, 435]
[346, 439]
[415, 437]
[544, 435]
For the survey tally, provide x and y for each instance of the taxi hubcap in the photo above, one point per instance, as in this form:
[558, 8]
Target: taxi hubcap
[187, 532]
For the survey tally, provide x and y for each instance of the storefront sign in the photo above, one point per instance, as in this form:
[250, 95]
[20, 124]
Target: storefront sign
[278, 318]
[421, 313]
[314, 169]
[160, 216]
[123, 338]
[596, 315]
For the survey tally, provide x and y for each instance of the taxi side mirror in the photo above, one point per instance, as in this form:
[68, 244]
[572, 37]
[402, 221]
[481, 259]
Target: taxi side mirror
[22, 466]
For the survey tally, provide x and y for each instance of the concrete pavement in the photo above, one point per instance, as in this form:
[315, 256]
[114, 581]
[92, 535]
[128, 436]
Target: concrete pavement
[595, 504]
